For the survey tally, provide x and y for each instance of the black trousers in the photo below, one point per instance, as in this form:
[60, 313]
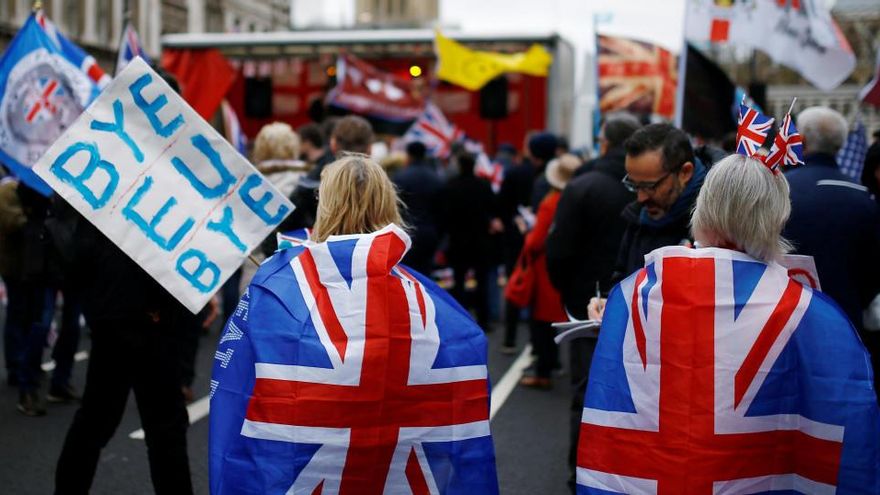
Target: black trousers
[581, 358]
[480, 301]
[129, 354]
[546, 350]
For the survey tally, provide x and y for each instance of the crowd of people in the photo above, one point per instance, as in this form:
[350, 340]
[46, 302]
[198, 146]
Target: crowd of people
[562, 228]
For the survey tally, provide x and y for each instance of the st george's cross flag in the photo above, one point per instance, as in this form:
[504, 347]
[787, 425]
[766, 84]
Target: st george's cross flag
[718, 374]
[43, 89]
[343, 372]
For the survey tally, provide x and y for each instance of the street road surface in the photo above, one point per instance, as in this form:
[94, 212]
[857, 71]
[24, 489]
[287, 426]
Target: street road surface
[530, 429]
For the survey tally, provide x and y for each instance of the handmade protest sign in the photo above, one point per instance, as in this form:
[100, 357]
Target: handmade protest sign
[163, 185]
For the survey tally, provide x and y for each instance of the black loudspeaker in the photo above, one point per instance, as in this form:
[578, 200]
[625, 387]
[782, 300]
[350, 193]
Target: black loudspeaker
[258, 97]
[493, 99]
[758, 93]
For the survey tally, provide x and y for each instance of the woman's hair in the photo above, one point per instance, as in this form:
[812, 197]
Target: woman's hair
[355, 197]
[276, 141]
[744, 204]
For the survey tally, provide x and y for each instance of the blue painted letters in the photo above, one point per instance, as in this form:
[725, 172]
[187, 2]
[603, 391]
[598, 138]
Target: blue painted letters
[96, 201]
[151, 109]
[149, 228]
[226, 178]
[258, 206]
[118, 128]
[224, 226]
[194, 276]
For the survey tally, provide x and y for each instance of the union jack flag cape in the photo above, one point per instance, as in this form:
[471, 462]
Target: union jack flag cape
[343, 371]
[718, 374]
[751, 130]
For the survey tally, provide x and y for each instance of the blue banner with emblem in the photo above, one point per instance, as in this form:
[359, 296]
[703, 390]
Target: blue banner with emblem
[41, 94]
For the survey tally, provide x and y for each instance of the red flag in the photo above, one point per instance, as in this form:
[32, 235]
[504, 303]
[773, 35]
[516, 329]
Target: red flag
[871, 92]
[364, 89]
[204, 76]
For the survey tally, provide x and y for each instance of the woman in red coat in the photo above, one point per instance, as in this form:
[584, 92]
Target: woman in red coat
[546, 305]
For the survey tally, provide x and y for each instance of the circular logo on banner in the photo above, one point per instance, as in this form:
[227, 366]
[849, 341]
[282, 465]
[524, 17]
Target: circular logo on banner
[44, 95]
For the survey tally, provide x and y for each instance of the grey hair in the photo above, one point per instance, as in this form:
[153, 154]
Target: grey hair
[742, 202]
[823, 129]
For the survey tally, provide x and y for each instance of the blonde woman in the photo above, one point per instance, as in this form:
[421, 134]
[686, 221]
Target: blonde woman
[343, 370]
[276, 156]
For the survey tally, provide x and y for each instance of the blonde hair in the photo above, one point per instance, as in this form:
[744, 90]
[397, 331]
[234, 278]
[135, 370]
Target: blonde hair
[742, 202]
[355, 197]
[276, 141]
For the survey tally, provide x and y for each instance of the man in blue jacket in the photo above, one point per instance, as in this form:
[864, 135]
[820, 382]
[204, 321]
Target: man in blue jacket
[834, 220]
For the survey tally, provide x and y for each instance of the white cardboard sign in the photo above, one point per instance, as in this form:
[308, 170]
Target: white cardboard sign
[163, 185]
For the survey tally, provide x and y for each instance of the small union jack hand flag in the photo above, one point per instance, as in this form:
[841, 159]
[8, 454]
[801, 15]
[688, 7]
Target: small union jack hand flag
[787, 147]
[752, 130]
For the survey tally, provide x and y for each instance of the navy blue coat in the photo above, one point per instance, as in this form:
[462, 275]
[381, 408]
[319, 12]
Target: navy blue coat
[835, 221]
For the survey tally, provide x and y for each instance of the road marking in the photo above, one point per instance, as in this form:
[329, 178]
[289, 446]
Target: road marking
[197, 410]
[200, 408]
[79, 356]
[510, 380]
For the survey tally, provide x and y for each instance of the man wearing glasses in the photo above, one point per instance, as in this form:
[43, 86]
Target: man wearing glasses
[666, 176]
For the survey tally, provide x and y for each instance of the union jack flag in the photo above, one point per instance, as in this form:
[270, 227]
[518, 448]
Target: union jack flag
[348, 373]
[752, 130]
[485, 168]
[73, 53]
[787, 148]
[718, 374]
[636, 76]
[129, 48]
[434, 131]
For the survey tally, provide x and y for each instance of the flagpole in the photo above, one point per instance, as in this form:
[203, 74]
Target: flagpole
[678, 116]
[126, 20]
[38, 5]
[790, 108]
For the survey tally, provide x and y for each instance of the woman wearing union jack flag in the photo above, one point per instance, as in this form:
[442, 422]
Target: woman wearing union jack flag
[343, 371]
[717, 371]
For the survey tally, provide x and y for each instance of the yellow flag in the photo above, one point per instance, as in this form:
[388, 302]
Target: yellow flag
[472, 69]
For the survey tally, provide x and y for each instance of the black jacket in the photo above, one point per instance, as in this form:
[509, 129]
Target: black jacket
[420, 188]
[835, 221]
[113, 286]
[586, 233]
[468, 208]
